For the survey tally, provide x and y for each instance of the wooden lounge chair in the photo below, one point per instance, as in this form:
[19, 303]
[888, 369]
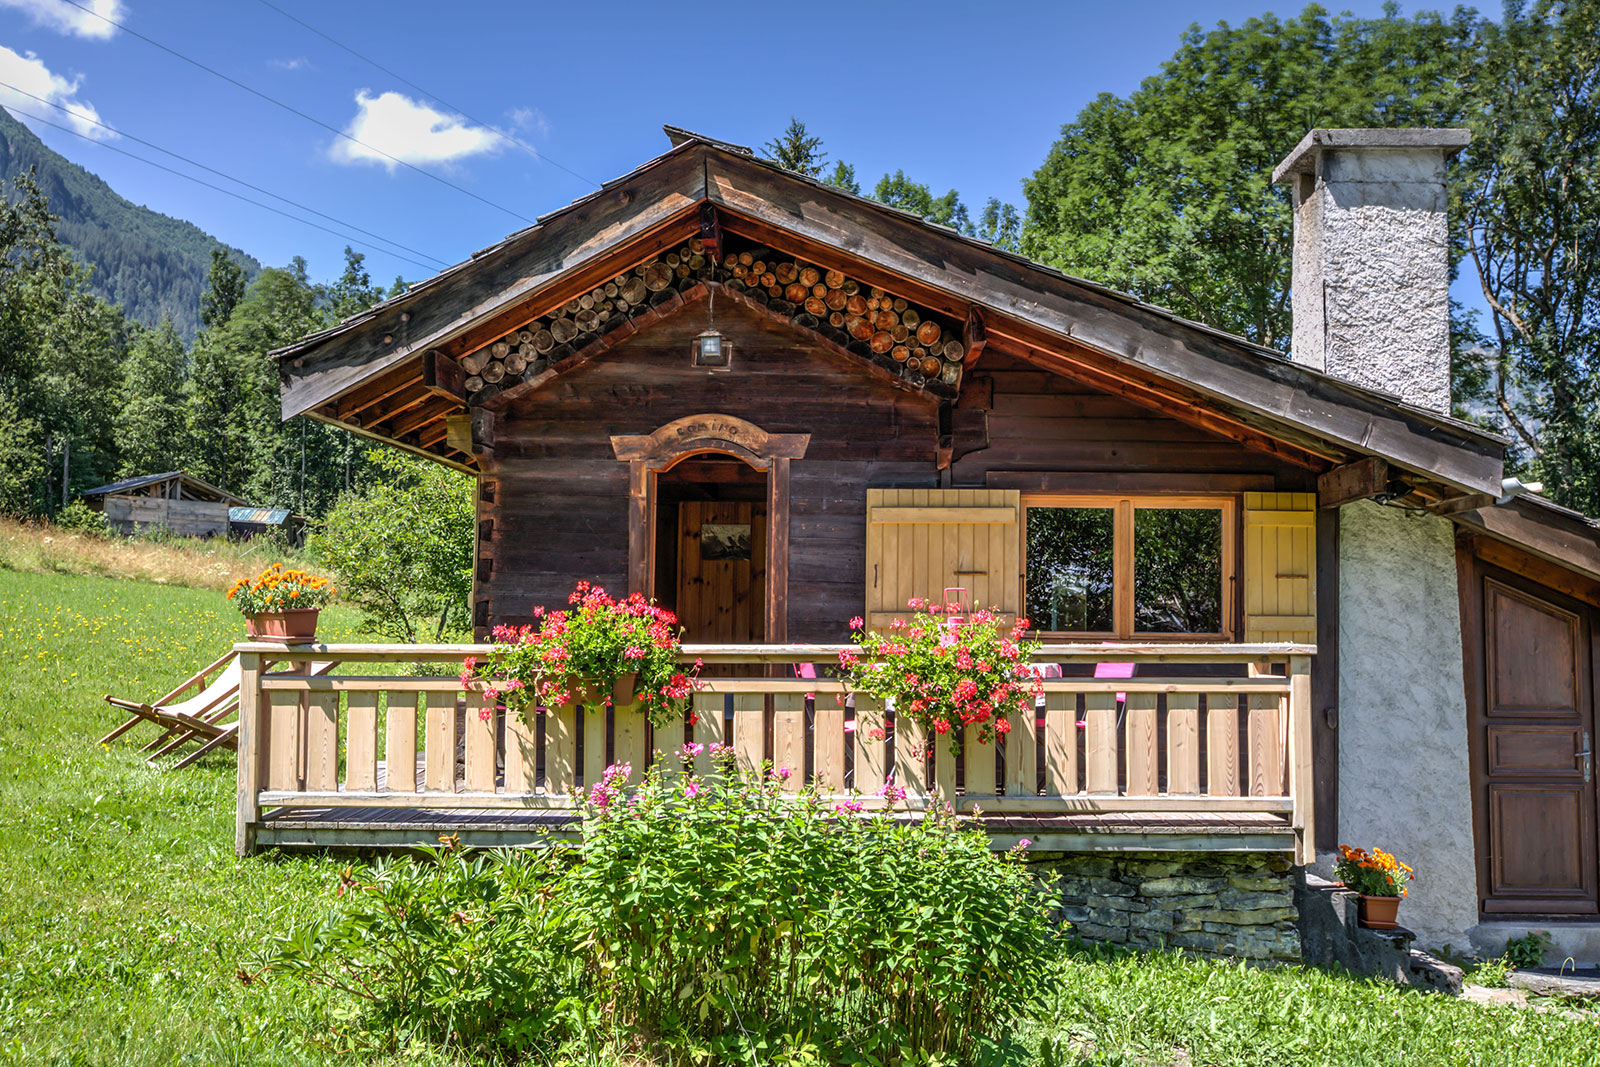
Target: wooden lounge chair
[199, 718]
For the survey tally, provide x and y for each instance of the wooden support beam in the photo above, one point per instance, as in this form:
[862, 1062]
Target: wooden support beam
[375, 392]
[1361, 480]
[1455, 505]
[976, 337]
[426, 413]
[444, 377]
[711, 230]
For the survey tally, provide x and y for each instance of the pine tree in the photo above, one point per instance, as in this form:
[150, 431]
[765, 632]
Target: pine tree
[224, 289]
[797, 150]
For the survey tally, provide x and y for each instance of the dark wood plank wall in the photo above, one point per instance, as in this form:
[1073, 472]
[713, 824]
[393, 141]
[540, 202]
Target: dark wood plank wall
[1040, 421]
[560, 509]
[560, 506]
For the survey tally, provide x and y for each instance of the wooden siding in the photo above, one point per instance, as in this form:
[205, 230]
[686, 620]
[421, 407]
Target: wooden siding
[185, 518]
[559, 511]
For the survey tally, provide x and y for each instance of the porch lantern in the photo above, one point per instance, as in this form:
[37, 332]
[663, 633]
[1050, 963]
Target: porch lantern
[712, 351]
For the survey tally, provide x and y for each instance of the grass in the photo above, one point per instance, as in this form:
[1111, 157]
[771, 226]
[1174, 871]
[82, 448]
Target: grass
[125, 917]
[39, 548]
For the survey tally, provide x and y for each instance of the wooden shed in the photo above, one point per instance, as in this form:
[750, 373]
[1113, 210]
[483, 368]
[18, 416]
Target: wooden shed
[174, 501]
[249, 522]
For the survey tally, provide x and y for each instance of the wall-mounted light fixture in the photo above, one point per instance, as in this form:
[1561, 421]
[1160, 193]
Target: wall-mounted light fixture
[712, 350]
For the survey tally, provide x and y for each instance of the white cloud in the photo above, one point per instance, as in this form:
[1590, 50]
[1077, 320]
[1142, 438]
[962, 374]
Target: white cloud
[530, 119]
[409, 131]
[37, 83]
[296, 63]
[74, 21]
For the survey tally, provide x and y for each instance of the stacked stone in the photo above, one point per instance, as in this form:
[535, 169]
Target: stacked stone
[1218, 904]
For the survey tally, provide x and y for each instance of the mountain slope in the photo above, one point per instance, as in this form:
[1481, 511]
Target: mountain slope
[148, 262]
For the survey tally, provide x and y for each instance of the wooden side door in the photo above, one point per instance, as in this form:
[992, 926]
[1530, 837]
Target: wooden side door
[722, 583]
[1536, 789]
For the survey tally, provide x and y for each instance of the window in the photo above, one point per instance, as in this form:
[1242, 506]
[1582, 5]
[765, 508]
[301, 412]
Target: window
[1130, 566]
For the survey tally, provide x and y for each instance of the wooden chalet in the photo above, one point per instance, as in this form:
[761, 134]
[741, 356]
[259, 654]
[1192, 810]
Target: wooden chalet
[772, 406]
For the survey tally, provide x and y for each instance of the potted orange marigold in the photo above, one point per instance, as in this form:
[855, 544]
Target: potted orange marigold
[281, 605]
[1381, 881]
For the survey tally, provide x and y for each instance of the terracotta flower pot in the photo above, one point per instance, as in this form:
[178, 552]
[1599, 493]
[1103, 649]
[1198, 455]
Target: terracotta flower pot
[624, 690]
[1379, 913]
[297, 627]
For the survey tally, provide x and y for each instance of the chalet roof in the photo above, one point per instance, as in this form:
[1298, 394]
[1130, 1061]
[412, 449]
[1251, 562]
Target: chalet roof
[142, 481]
[1061, 322]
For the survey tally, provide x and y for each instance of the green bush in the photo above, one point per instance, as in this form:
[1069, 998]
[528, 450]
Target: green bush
[80, 517]
[1528, 950]
[719, 912]
[464, 951]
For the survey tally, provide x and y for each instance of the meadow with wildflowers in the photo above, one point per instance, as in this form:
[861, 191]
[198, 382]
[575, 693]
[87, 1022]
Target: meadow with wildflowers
[130, 934]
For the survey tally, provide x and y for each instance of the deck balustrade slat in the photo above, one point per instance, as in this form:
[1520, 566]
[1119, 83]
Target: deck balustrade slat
[361, 741]
[910, 763]
[628, 728]
[400, 743]
[1266, 752]
[1222, 745]
[322, 741]
[593, 724]
[944, 766]
[522, 750]
[1060, 743]
[872, 749]
[749, 729]
[829, 744]
[1100, 752]
[1183, 743]
[789, 738]
[478, 774]
[980, 779]
[1144, 767]
[708, 728]
[283, 737]
[561, 750]
[1022, 775]
[440, 743]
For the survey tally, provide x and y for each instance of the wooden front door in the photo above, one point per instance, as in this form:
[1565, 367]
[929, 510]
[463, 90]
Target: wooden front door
[1535, 724]
[722, 549]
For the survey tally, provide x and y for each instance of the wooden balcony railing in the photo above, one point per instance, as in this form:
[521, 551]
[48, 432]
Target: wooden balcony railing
[1233, 741]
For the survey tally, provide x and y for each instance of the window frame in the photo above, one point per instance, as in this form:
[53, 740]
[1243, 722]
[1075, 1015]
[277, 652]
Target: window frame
[1122, 507]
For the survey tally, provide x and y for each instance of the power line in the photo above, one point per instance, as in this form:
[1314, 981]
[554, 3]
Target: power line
[534, 152]
[223, 174]
[218, 188]
[295, 111]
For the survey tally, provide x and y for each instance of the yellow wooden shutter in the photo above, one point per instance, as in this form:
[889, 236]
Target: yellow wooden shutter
[921, 542]
[1280, 567]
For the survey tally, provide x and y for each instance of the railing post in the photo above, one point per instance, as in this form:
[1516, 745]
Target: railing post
[1300, 770]
[248, 810]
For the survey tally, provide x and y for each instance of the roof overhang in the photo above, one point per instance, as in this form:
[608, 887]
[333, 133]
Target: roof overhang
[1058, 321]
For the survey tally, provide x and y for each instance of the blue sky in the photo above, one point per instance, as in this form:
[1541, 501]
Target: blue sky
[960, 95]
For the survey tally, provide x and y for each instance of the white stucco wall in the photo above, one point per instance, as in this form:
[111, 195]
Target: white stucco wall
[1404, 783]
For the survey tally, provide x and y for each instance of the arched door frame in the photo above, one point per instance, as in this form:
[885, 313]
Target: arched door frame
[648, 455]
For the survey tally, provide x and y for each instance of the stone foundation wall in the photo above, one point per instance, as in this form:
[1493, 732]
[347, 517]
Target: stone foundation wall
[1216, 903]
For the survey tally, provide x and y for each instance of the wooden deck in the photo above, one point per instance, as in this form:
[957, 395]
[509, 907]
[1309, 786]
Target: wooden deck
[1218, 760]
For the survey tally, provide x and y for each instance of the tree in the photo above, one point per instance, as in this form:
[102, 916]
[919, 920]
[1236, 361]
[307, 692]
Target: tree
[402, 550]
[843, 176]
[798, 150]
[899, 191]
[1530, 196]
[1000, 225]
[354, 291]
[150, 422]
[225, 285]
[61, 352]
[1167, 194]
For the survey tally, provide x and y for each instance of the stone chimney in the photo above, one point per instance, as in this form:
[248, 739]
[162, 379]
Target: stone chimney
[1371, 281]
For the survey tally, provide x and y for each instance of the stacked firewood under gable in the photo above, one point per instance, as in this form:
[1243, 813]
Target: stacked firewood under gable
[920, 347]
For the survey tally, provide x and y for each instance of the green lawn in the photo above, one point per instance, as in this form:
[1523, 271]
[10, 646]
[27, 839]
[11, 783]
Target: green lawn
[124, 915]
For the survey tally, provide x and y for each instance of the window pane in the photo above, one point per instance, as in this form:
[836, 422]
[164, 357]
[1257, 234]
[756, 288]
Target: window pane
[1177, 570]
[1069, 568]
